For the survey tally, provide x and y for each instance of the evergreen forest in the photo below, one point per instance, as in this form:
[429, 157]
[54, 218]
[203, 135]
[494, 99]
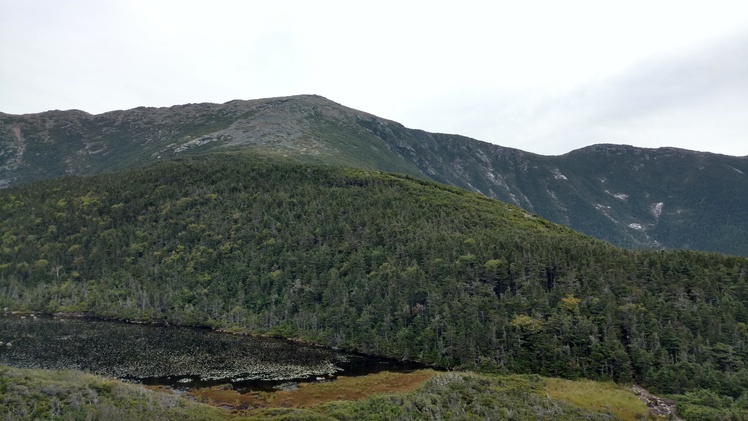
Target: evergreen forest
[376, 263]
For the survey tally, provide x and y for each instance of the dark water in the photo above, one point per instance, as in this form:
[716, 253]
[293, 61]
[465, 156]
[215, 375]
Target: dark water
[174, 356]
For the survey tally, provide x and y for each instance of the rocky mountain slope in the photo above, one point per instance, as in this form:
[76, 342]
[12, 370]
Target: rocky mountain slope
[633, 197]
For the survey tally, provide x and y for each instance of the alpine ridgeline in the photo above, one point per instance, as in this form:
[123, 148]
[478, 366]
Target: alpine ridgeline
[632, 197]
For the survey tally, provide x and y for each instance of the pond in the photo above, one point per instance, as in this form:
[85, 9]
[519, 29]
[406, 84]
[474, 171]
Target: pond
[177, 357]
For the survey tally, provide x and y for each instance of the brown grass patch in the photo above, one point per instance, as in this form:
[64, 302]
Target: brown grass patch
[308, 394]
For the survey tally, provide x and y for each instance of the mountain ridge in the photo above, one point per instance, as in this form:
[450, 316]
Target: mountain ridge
[612, 192]
[641, 149]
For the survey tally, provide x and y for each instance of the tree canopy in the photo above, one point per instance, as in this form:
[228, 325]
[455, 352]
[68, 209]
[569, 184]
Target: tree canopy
[377, 263]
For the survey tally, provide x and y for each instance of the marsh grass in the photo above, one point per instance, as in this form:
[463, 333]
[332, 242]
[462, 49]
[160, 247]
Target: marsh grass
[448, 396]
[598, 396]
[310, 394]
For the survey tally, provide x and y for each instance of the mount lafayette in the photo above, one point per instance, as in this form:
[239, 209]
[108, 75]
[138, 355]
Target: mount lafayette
[631, 197]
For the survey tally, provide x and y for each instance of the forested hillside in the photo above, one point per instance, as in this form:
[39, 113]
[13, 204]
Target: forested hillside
[373, 262]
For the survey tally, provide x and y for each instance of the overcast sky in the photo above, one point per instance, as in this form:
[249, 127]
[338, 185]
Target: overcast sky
[543, 76]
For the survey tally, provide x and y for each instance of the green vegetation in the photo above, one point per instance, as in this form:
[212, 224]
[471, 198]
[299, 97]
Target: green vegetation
[454, 396]
[71, 395]
[709, 406]
[597, 396]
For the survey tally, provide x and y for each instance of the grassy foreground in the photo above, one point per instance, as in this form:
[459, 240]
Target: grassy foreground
[425, 394]
[74, 395]
[596, 396]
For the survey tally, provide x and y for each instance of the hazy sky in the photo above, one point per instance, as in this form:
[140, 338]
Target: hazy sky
[542, 76]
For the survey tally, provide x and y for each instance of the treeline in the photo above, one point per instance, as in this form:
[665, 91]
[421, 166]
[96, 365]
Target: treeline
[377, 263]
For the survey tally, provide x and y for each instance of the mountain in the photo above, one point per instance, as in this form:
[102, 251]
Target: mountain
[632, 197]
[374, 262]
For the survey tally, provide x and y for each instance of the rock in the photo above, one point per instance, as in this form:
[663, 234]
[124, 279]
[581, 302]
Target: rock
[287, 386]
[657, 406]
